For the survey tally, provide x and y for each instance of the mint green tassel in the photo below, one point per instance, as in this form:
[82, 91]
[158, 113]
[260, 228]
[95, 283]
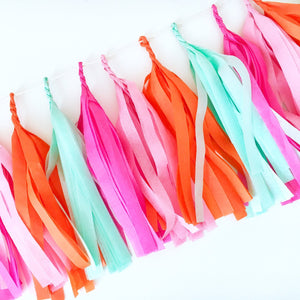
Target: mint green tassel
[90, 215]
[227, 83]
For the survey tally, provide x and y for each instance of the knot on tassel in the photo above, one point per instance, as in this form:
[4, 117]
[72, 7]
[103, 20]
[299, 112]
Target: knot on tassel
[178, 35]
[145, 43]
[180, 38]
[81, 74]
[110, 72]
[218, 19]
[248, 5]
[47, 90]
[14, 116]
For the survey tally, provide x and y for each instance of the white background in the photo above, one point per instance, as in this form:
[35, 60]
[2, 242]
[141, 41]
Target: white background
[251, 259]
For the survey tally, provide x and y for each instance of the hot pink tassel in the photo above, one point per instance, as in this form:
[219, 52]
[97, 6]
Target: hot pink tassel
[108, 164]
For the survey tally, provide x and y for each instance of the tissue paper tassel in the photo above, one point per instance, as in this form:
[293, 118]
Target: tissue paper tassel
[92, 220]
[43, 209]
[251, 56]
[151, 154]
[227, 83]
[222, 191]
